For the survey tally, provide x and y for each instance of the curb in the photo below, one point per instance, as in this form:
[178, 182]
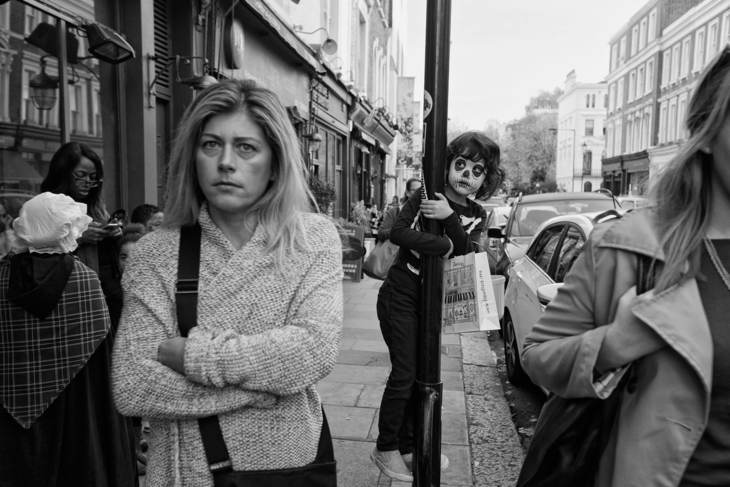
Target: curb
[496, 451]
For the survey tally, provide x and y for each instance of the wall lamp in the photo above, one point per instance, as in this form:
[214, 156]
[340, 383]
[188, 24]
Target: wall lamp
[105, 43]
[195, 82]
[43, 88]
[329, 46]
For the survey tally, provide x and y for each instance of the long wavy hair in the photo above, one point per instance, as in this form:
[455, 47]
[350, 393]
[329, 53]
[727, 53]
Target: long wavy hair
[278, 210]
[60, 177]
[476, 146]
[682, 192]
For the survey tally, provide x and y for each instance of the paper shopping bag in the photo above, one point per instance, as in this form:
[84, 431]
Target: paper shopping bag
[469, 303]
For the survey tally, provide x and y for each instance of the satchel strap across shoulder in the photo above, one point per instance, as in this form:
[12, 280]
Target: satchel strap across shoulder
[186, 303]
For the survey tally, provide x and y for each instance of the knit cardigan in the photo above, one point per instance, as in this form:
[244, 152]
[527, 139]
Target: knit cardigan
[263, 340]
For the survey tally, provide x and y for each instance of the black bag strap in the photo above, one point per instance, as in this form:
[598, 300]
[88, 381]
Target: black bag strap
[186, 303]
[188, 268]
[645, 273]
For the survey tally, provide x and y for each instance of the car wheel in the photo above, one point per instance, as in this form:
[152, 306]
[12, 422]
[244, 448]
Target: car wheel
[515, 373]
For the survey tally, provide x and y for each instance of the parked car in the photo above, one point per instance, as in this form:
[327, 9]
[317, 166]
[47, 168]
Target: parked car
[497, 219]
[531, 211]
[535, 277]
[632, 202]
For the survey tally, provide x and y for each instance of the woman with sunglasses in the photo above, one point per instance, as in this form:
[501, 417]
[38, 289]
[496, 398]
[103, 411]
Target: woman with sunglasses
[76, 171]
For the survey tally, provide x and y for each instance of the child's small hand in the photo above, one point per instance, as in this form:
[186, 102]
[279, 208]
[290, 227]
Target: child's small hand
[437, 209]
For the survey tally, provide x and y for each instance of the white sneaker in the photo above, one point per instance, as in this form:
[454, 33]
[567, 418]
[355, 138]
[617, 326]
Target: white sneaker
[391, 464]
[408, 460]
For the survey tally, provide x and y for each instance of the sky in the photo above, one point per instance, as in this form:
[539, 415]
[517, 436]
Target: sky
[503, 52]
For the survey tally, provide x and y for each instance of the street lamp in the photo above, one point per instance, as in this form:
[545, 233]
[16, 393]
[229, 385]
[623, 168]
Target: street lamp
[572, 155]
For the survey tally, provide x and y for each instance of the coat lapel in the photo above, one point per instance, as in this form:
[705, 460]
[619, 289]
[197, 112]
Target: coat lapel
[677, 315]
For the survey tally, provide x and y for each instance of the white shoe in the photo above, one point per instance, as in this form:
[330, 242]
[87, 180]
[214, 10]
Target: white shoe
[408, 460]
[391, 464]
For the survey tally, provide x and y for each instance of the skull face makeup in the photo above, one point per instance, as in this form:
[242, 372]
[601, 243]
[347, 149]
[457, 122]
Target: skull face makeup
[466, 176]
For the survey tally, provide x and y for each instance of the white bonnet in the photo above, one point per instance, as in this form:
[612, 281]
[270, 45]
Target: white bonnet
[50, 223]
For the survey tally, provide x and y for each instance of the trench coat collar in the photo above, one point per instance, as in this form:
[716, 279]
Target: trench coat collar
[676, 314]
[634, 232]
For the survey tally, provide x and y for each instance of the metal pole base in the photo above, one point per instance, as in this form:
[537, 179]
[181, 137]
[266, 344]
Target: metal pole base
[427, 458]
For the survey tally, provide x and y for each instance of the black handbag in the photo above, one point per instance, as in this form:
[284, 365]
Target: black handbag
[571, 434]
[322, 472]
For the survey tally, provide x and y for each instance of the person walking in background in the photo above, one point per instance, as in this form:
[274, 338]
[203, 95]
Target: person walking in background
[76, 171]
[391, 214]
[148, 215]
[269, 302]
[673, 427]
[472, 167]
[58, 424]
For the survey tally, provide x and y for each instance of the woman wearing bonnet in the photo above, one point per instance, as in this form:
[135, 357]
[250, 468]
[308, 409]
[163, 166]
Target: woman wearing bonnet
[58, 424]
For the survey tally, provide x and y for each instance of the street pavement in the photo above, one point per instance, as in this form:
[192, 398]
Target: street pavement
[478, 435]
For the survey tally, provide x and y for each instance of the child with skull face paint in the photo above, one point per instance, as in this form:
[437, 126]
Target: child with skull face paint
[472, 168]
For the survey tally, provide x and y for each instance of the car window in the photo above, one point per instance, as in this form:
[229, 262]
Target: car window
[529, 216]
[570, 250]
[542, 250]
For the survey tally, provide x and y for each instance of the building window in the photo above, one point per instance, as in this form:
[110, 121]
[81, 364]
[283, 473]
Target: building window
[593, 100]
[610, 133]
[587, 162]
[588, 101]
[614, 57]
[612, 97]
[725, 31]
[684, 70]
[712, 41]
[629, 134]
[605, 100]
[640, 82]
[699, 50]
[622, 51]
[672, 122]
[620, 94]
[649, 87]
[674, 76]
[632, 86]
[590, 123]
[667, 62]
[651, 34]
[663, 123]
[681, 113]
[642, 33]
[634, 39]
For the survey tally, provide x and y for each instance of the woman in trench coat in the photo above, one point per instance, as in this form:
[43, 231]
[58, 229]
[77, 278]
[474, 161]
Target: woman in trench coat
[673, 427]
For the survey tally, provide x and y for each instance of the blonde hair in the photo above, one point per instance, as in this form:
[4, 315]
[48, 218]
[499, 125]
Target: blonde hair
[683, 189]
[278, 210]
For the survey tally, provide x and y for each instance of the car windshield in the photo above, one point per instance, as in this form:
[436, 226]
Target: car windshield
[529, 216]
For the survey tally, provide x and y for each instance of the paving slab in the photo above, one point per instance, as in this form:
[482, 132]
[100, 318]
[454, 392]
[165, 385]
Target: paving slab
[339, 393]
[349, 422]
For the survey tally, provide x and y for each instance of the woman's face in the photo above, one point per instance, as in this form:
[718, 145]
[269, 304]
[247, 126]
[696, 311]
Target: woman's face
[234, 163]
[466, 176]
[84, 178]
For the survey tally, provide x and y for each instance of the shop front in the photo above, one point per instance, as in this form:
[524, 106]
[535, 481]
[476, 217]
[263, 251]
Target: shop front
[627, 174]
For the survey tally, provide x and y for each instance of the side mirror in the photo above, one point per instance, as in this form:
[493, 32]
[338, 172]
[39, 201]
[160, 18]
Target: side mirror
[547, 292]
[495, 232]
